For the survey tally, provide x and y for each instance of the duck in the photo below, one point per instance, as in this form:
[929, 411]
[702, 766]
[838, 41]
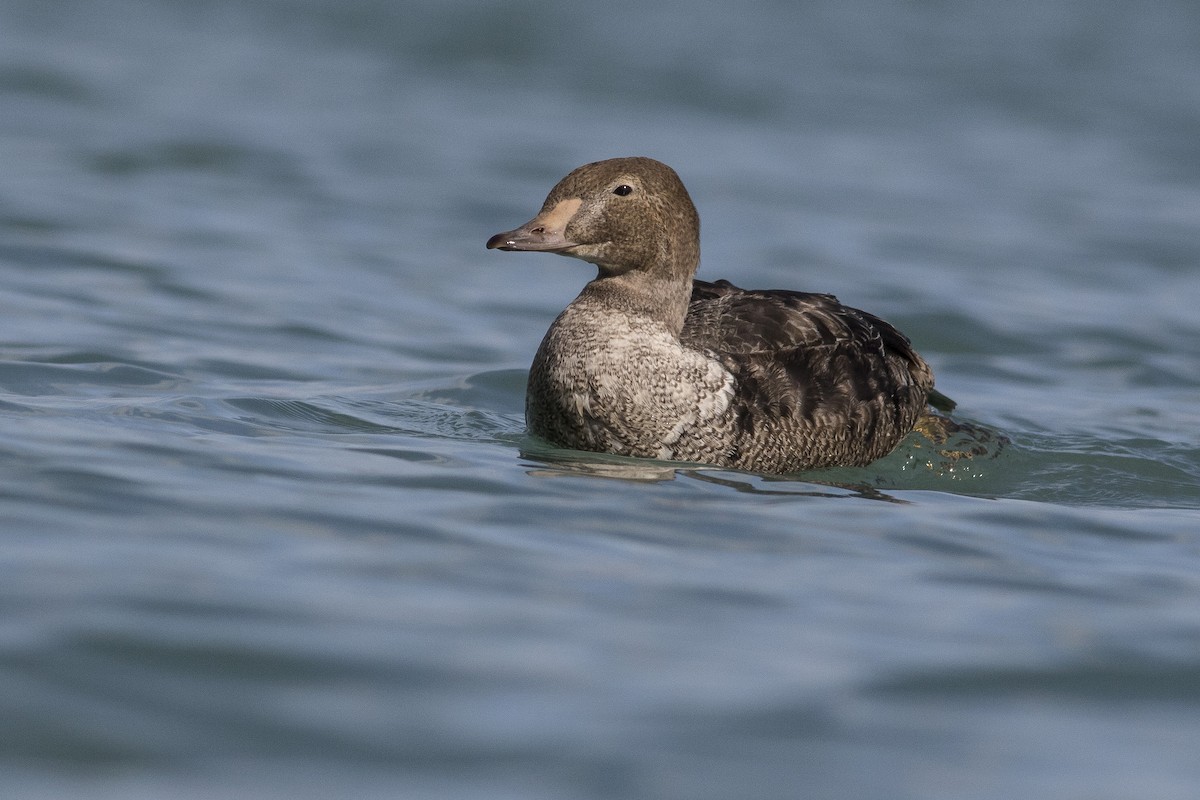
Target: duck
[650, 362]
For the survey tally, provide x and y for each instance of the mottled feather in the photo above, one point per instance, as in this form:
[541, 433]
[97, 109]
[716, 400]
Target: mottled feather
[806, 364]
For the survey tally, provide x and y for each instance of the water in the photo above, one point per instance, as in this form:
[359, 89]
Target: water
[272, 524]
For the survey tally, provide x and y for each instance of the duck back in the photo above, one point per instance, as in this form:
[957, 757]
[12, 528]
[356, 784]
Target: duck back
[816, 383]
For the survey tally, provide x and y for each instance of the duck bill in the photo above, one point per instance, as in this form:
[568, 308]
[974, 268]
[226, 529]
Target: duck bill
[530, 236]
[545, 232]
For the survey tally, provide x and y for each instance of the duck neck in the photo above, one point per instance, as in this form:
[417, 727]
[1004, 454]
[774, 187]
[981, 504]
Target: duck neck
[657, 298]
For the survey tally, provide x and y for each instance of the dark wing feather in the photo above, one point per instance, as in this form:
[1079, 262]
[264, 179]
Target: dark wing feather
[807, 357]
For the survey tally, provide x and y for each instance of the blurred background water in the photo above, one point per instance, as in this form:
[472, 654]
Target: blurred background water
[272, 526]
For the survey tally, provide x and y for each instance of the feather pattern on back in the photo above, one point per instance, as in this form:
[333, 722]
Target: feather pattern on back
[842, 382]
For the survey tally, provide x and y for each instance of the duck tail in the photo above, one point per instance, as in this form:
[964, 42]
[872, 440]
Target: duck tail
[940, 401]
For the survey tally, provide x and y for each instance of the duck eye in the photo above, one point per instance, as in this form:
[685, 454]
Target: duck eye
[623, 190]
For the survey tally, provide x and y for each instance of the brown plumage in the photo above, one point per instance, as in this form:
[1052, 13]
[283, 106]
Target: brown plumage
[648, 362]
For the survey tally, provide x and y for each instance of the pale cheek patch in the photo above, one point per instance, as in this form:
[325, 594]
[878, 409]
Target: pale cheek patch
[555, 220]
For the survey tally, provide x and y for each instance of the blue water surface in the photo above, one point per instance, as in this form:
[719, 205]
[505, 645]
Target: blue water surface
[272, 524]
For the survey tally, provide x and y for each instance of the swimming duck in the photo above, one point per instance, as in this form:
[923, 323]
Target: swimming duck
[649, 362]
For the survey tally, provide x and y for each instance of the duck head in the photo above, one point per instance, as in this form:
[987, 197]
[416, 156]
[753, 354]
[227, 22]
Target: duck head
[622, 215]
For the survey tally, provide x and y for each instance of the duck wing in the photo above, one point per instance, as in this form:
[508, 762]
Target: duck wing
[808, 360]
